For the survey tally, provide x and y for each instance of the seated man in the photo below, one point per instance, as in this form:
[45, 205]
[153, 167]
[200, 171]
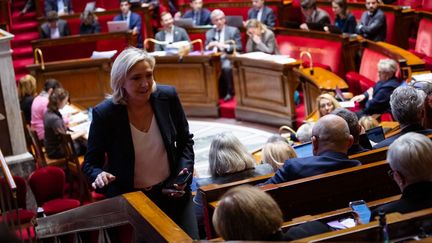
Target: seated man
[216, 39]
[411, 168]
[54, 28]
[169, 33]
[313, 14]
[331, 140]
[407, 108]
[62, 7]
[373, 25]
[262, 13]
[133, 20]
[354, 128]
[377, 97]
[198, 14]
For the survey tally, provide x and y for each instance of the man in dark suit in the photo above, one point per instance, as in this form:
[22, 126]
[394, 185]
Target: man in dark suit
[216, 40]
[133, 19]
[373, 24]
[198, 14]
[407, 108]
[62, 7]
[263, 13]
[331, 140]
[313, 15]
[411, 168]
[354, 128]
[169, 33]
[54, 27]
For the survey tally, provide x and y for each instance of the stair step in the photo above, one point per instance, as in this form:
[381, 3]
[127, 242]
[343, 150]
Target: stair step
[20, 64]
[29, 16]
[24, 39]
[22, 52]
[24, 27]
[17, 6]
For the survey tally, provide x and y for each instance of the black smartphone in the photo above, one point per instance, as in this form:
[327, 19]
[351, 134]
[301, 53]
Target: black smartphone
[362, 210]
[181, 179]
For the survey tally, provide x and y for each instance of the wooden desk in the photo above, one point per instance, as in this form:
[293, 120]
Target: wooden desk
[414, 62]
[196, 81]
[264, 90]
[87, 80]
[321, 80]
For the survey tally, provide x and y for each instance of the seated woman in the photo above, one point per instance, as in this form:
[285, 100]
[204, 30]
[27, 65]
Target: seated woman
[344, 20]
[54, 126]
[276, 152]
[89, 23]
[229, 161]
[26, 94]
[376, 99]
[260, 38]
[249, 214]
[326, 103]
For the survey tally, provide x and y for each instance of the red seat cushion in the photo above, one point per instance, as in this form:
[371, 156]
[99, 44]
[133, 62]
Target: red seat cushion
[358, 83]
[59, 205]
[24, 216]
[386, 117]
[424, 37]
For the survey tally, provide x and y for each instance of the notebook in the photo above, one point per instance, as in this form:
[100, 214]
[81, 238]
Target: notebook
[117, 26]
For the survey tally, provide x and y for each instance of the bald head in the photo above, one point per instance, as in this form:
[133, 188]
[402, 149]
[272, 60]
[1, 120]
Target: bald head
[331, 132]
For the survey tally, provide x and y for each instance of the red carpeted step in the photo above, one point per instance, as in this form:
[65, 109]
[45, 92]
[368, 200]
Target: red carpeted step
[17, 18]
[24, 27]
[20, 64]
[22, 52]
[227, 109]
[17, 6]
[24, 39]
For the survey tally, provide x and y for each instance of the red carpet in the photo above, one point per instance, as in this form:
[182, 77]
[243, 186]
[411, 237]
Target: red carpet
[25, 30]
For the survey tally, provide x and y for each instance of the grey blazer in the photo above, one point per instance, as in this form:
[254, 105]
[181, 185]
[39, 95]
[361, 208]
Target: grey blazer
[62, 26]
[319, 17]
[268, 44]
[231, 33]
[375, 28]
[180, 34]
[268, 17]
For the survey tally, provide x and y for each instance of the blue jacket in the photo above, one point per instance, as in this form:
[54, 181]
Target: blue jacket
[110, 139]
[134, 21]
[204, 16]
[268, 17]
[298, 168]
[347, 25]
[380, 102]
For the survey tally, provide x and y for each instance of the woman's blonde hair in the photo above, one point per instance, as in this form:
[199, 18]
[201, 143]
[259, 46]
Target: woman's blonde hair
[329, 97]
[27, 86]
[368, 122]
[228, 155]
[247, 213]
[121, 66]
[254, 23]
[275, 153]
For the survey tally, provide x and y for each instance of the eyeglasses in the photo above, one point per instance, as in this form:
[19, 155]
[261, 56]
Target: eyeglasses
[390, 173]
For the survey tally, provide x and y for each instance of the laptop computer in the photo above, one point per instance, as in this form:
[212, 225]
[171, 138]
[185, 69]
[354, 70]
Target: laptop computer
[117, 26]
[90, 7]
[376, 134]
[234, 20]
[304, 150]
[184, 23]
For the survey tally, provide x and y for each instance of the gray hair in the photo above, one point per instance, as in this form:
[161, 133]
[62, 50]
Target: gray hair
[121, 66]
[387, 65]
[228, 155]
[407, 104]
[351, 119]
[216, 12]
[410, 156]
[304, 132]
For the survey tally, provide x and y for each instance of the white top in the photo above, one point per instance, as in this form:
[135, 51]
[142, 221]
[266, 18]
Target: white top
[259, 15]
[151, 160]
[220, 37]
[55, 33]
[169, 35]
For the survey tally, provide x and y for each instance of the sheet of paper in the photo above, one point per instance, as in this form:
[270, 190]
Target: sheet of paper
[103, 54]
[347, 104]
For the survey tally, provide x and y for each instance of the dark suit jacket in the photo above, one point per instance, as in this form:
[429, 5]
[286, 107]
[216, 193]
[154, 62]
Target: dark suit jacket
[376, 27]
[134, 21]
[347, 25]
[268, 17]
[51, 5]
[62, 25]
[231, 33]
[298, 168]
[380, 102]
[204, 16]
[319, 17]
[89, 29]
[410, 128]
[415, 197]
[268, 44]
[110, 134]
[180, 34]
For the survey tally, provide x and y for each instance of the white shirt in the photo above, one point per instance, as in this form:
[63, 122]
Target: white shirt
[220, 37]
[169, 35]
[54, 33]
[259, 15]
[151, 159]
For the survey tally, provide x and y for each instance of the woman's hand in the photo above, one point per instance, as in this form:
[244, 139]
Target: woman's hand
[256, 39]
[177, 190]
[103, 179]
[358, 98]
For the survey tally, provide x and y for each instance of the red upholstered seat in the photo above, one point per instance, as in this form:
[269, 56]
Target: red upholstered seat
[423, 45]
[330, 57]
[24, 215]
[47, 185]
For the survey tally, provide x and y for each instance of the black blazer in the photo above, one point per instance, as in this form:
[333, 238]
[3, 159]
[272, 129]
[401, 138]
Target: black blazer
[268, 17]
[110, 134]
